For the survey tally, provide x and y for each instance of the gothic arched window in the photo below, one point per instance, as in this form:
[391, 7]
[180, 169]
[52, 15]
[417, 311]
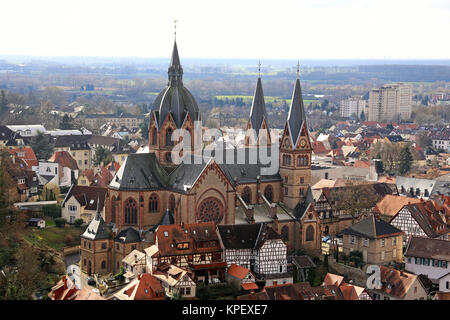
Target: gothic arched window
[130, 211]
[113, 209]
[268, 193]
[154, 137]
[310, 233]
[285, 233]
[247, 195]
[153, 203]
[169, 141]
[171, 203]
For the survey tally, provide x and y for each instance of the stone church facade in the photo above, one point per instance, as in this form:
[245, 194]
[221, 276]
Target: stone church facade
[149, 189]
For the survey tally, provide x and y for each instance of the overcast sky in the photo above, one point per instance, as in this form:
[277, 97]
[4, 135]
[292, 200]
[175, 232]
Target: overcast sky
[278, 29]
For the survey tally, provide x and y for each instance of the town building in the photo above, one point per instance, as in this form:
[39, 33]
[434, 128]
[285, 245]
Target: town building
[175, 281]
[144, 287]
[94, 121]
[421, 219]
[81, 202]
[390, 102]
[427, 256]
[378, 241]
[78, 147]
[398, 285]
[353, 107]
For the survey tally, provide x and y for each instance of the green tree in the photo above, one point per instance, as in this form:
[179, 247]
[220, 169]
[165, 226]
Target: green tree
[78, 222]
[52, 210]
[144, 128]
[405, 161]
[42, 146]
[102, 155]
[3, 102]
[362, 116]
[60, 222]
[66, 123]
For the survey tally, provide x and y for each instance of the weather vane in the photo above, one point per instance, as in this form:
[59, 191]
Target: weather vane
[175, 29]
[298, 69]
[259, 69]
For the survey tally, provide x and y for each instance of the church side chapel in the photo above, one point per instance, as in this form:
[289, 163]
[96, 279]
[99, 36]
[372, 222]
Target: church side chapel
[149, 190]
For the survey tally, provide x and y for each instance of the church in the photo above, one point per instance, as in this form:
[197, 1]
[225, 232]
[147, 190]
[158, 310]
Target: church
[150, 190]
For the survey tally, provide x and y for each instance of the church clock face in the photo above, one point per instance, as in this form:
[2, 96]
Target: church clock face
[302, 143]
[210, 210]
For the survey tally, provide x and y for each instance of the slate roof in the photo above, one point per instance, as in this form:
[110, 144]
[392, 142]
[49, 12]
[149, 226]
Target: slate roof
[97, 229]
[183, 177]
[128, 235]
[372, 228]
[258, 109]
[250, 236]
[78, 142]
[87, 196]
[296, 116]
[428, 248]
[441, 187]
[140, 171]
[175, 98]
[303, 262]
[247, 169]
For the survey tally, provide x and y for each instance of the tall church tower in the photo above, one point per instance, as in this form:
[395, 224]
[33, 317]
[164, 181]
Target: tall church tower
[174, 108]
[258, 120]
[295, 151]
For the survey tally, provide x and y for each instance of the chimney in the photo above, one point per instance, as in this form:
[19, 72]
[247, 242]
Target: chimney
[182, 225]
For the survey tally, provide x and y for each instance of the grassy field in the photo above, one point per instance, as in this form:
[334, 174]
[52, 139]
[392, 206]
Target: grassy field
[52, 237]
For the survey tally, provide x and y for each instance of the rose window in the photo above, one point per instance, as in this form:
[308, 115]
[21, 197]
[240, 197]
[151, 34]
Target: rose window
[210, 210]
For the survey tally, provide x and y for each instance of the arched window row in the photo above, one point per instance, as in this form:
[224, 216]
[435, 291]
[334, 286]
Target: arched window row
[153, 203]
[268, 193]
[130, 211]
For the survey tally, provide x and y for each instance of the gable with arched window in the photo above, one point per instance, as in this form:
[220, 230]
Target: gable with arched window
[310, 233]
[153, 203]
[268, 193]
[130, 211]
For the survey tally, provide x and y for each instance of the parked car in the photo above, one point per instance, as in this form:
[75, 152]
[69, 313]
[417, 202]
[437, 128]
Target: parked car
[91, 281]
[326, 239]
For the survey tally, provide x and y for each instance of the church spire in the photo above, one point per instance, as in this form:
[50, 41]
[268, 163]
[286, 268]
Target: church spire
[175, 70]
[258, 110]
[296, 117]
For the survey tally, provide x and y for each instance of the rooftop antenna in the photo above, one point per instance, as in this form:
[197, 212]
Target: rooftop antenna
[298, 69]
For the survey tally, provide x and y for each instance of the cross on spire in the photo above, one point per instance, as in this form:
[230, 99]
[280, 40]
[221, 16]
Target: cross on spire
[298, 69]
[175, 29]
[259, 68]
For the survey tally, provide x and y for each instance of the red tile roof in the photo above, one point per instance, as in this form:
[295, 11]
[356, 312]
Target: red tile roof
[26, 154]
[64, 159]
[238, 271]
[250, 286]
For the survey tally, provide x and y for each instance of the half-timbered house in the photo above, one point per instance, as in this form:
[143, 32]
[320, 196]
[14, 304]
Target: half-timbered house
[421, 220]
[256, 247]
[194, 247]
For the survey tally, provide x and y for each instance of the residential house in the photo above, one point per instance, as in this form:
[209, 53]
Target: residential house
[379, 241]
[303, 264]
[427, 256]
[241, 278]
[398, 285]
[348, 291]
[81, 203]
[26, 155]
[175, 281]
[134, 263]
[144, 287]
[194, 247]
[421, 219]
[78, 147]
[414, 187]
[256, 247]
[388, 207]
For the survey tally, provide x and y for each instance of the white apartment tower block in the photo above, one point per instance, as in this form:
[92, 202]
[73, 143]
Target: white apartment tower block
[390, 102]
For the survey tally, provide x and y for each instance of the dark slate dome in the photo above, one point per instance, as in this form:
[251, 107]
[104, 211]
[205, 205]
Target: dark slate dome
[175, 98]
